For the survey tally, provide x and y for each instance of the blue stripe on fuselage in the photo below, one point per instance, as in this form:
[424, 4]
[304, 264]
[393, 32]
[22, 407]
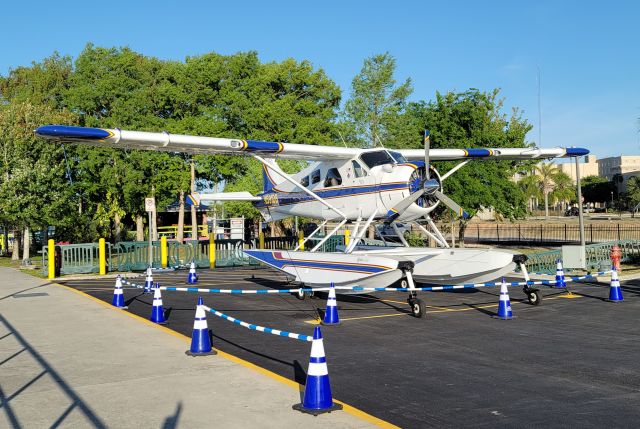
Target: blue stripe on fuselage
[288, 198]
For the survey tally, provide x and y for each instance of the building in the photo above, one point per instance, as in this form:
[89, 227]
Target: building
[588, 167]
[619, 169]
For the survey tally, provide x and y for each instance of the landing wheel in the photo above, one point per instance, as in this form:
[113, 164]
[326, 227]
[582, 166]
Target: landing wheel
[418, 308]
[301, 295]
[534, 296]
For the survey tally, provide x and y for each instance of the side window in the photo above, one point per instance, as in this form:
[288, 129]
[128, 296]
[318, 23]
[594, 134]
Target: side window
[358, 171]
[333, 178]
[315, 177]
[305, 181]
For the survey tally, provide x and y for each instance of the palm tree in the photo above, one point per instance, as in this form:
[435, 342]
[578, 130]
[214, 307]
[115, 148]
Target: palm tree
[546, 173]
[564, 190]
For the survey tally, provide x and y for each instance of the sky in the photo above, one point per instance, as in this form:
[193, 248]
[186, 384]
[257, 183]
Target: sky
[586, 53]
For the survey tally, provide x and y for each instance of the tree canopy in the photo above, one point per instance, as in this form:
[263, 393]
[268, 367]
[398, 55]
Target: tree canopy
[86, 191]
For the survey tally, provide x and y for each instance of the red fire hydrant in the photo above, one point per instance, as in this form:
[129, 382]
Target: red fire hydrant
[615, 255]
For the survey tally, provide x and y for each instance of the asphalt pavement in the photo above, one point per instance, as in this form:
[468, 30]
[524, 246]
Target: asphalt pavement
[570, 362]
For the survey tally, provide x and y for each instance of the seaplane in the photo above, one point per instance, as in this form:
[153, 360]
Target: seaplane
[342, 185]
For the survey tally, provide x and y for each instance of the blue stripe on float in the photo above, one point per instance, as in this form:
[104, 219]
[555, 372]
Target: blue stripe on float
[322, 359]
[67, 132]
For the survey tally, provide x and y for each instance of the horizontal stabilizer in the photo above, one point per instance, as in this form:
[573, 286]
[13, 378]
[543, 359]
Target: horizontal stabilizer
[207, 199]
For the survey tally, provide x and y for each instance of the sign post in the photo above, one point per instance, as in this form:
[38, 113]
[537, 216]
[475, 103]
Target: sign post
[150, 207]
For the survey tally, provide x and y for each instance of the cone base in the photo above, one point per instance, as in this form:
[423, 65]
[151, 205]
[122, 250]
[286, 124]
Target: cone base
[314, 411]
[329, 323]
[211, 353]
[503, 317]
[164, 322]
[124, 307]
[614, 300]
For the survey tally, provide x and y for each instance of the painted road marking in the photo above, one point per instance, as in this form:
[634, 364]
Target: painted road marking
[440, 309]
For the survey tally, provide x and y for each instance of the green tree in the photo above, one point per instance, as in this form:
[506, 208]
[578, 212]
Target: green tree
[596, 189]
[376, 102]
[466, 120]
[564, 190]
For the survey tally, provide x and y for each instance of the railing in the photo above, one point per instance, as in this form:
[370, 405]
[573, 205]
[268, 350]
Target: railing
[597, 256]
[76, 258]
[549, 234]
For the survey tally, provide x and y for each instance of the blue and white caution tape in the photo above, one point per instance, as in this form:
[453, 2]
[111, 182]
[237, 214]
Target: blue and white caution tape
[369, 289]
[258, 327]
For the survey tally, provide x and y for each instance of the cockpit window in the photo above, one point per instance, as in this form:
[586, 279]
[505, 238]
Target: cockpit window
[333, 178]
[305, 181]
[378, 157]
[315, 177]
[358, 171]
[398, 157]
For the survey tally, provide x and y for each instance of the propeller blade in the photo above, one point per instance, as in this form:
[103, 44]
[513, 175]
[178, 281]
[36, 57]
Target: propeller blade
[429, 187]
[451, 204]
[427, 146]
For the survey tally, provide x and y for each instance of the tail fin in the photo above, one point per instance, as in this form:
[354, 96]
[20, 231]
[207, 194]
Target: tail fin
[270, 179]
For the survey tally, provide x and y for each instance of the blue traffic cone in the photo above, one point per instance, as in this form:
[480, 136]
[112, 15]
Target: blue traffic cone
[331, 314]
[157, 312]
[504, 304]
[615, 293]
[118, 295]
[560, 283]
[200, 340]
[148, 282]
[192, 277]
[317, 391]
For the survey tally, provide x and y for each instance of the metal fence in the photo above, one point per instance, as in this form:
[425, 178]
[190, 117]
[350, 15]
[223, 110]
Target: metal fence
[597, 256]
[549, 234]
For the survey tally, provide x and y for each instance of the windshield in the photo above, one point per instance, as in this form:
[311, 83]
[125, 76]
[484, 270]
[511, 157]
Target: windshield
[379, 157]
[398, 157]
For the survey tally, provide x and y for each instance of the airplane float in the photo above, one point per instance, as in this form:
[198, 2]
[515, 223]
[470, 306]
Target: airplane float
[347, 185]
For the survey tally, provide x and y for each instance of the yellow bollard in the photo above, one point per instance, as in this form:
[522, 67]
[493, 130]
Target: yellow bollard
[212, 251]
[102, 250]
[301, 240]
[347, 237]
[51, 257]
[261, 237]
[164, 254]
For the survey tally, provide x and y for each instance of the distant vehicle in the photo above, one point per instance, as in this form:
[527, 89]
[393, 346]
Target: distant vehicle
[572, 211]
[387, 231]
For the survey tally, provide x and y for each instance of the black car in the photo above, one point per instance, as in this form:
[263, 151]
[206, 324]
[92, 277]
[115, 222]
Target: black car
[572, 211]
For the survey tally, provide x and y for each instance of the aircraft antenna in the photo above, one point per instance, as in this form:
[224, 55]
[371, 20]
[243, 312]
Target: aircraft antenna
[343, 142]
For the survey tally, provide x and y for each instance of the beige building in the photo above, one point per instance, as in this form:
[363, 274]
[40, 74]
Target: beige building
[619, 169]
[589, 166]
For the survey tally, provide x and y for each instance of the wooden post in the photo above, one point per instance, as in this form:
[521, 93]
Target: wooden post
[51, 258]
[102, 253]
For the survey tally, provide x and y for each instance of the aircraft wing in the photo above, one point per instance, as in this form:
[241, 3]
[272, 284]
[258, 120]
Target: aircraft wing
[501, 153]
[164, 141]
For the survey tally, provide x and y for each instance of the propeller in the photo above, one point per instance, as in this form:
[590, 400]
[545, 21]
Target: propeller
[429, 187]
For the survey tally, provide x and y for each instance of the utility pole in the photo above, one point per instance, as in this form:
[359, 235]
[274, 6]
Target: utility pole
[580, 215]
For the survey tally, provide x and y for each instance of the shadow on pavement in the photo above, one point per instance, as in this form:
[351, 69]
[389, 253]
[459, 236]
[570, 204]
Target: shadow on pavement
[76, 401]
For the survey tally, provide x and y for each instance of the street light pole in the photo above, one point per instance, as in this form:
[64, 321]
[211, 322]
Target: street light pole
[580, 215]
[612, 199]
